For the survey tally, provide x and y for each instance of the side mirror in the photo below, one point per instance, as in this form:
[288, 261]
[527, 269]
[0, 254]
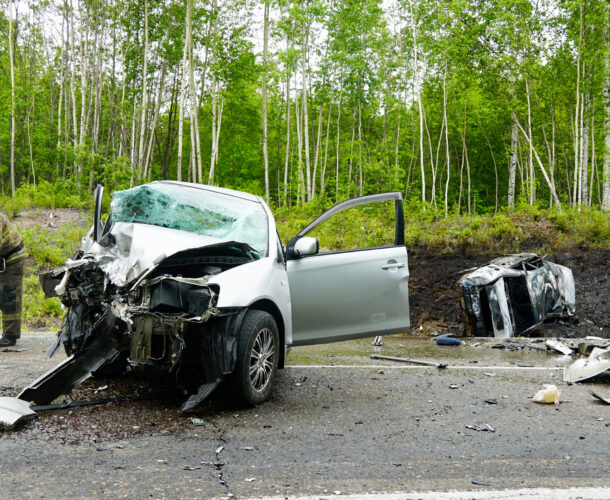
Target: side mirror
[305, 246]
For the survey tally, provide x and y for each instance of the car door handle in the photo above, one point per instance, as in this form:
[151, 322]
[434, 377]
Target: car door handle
[394, 265]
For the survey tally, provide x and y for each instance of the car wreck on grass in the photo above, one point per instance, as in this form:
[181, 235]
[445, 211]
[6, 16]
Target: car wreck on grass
[514, 294]
[192, 284]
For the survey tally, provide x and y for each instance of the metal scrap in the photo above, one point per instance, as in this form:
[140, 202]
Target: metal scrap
[407, 360]
[13, 412]
[597, 363]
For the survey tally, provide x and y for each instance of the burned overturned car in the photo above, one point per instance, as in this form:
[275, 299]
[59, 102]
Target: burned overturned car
[191, 283]
[514, 294]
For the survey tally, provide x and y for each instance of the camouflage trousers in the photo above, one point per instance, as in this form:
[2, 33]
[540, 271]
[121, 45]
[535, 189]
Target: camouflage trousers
[11, 289]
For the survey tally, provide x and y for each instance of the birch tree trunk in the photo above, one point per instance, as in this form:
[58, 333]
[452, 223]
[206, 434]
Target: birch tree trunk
[73, 98]
[187, 36]
[584, 153]
[544, 172]
[338, 145]
[12, 64]
[512, 166]
[305, 110]
[605, 204]
[140, 167]
[447, 159]
[264, 96]
[419, 105]
[288, 125]
[531, 186]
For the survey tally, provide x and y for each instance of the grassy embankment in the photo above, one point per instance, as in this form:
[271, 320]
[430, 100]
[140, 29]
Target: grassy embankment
[528, 229]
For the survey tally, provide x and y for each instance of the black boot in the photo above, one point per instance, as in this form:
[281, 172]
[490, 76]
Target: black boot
[7, 341]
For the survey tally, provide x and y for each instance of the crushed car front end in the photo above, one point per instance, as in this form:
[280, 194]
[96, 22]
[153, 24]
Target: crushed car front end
[145, 296]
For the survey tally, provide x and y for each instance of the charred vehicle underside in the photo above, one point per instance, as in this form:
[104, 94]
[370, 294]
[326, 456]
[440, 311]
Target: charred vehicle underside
[514, 294]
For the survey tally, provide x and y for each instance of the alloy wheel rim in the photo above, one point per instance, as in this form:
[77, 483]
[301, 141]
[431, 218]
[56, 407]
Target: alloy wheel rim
[261, 359]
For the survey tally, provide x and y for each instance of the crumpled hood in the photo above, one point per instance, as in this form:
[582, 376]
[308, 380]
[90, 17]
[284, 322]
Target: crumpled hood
[130, 249]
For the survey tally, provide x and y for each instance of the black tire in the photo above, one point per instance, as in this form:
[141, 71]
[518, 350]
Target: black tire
[258, 349]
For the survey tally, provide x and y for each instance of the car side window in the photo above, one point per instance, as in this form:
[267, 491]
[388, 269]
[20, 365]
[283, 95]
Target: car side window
[370, 225]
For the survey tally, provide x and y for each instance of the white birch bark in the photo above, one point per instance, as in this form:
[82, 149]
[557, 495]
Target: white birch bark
[12, 64]
[512, 165]
[140, 166]
[447, 159]
[264, 96]
[584, 154]
[183, 83]
[305, 112]
[419, 105]
[544, 172]
[605, 202]
[531, 185]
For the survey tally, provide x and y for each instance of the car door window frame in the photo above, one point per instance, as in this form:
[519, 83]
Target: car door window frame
[399, 230]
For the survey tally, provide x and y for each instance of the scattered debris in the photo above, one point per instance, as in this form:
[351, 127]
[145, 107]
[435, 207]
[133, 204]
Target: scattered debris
[548, 395]
[248, 448]
[582, 369]
[481, 428]
[453, 386]
[378, 342]
[446, 340]
[14, 349]
[585, 348]
[556, 345]
[13, 412]
[605, 397]
[407, 360]
[197, 421]
[491, 401]
[514, 294]
[480, 483]
[250, 479]
[219, 449]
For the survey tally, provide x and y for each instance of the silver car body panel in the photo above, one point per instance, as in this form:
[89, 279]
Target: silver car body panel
[349, 294]
[345, 295]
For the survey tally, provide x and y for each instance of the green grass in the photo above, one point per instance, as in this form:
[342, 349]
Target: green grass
[526, 230]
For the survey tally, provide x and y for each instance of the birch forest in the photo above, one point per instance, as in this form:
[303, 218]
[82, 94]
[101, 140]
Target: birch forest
[463, 106]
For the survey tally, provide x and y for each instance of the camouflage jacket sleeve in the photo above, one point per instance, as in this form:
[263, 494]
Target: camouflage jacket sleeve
[9, 239]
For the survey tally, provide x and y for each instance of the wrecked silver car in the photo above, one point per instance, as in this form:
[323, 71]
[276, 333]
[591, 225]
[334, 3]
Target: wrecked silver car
[192, 283]
[514, 294]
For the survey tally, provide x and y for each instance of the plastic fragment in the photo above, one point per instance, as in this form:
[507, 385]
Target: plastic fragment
[559, 347]
[548, 395]
[447, 341]
[197, 421]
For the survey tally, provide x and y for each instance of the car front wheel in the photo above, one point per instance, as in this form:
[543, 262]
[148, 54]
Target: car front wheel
[257, 358]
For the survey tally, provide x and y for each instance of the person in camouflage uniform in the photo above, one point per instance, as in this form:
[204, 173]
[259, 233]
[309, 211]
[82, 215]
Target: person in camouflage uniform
[12, 257]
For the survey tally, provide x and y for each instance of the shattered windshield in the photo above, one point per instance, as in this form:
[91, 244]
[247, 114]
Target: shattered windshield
[193, 210]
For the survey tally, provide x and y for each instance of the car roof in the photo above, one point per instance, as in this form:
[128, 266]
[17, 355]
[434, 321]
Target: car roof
[215, 189]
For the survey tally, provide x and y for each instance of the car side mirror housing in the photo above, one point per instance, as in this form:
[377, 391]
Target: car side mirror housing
[307, 245]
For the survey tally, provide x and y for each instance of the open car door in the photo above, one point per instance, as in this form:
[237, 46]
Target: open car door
[348, 277]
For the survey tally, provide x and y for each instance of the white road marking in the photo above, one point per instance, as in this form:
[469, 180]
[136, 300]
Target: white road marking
[521, 494]
[450, 367]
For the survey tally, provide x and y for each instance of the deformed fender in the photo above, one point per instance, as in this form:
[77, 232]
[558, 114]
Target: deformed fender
[101, 347]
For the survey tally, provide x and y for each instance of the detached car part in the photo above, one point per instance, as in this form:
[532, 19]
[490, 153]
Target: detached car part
[191, 285]
[514, 294]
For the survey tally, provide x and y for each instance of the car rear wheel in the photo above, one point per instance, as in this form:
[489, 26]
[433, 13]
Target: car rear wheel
[257, 358]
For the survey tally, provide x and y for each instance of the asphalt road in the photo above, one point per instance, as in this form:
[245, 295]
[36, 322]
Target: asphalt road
[360, 426]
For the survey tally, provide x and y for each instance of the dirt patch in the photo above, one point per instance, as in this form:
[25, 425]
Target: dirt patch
[50, 218]
[434, 297]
